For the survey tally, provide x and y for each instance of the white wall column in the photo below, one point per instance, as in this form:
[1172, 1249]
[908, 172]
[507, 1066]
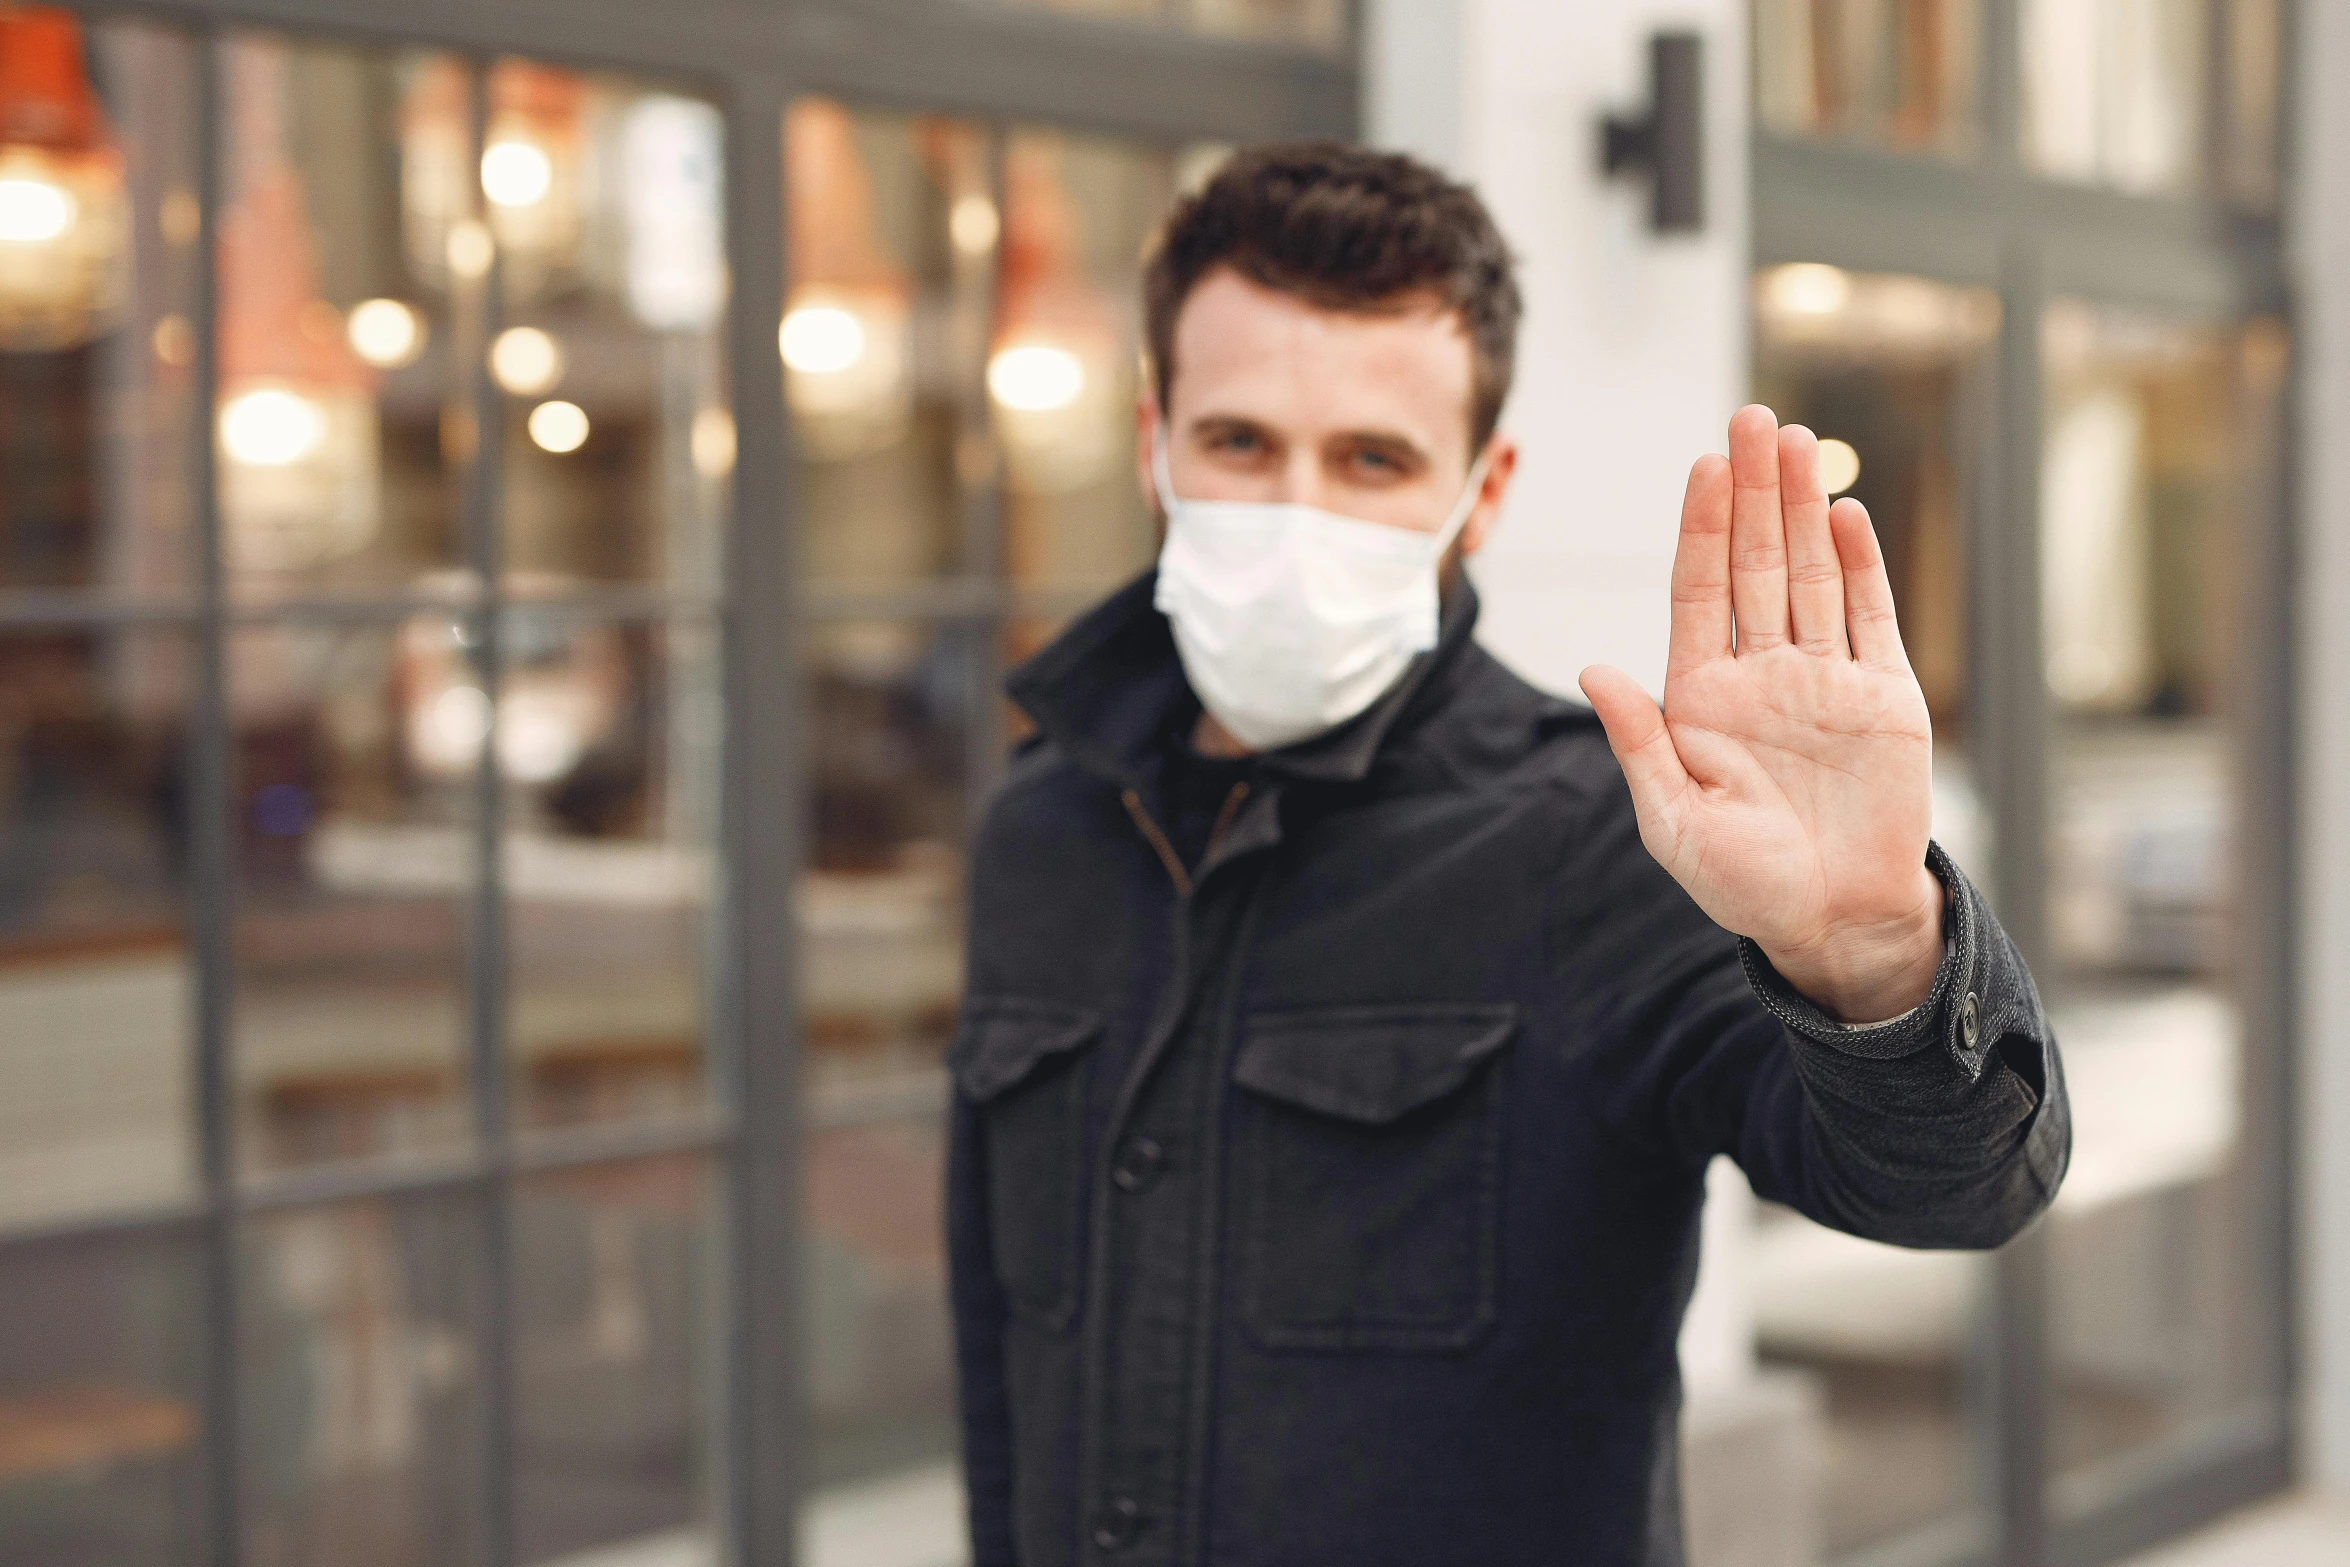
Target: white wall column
[2321, 246]
[1631, 360]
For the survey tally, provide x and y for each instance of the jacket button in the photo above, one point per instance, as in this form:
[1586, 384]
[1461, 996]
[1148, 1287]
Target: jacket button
[1970, 1020]
[1116, 1525]
[1139, 1165]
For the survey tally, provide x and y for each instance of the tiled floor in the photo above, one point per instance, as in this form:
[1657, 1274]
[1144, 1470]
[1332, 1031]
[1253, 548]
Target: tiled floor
[2296, 1532]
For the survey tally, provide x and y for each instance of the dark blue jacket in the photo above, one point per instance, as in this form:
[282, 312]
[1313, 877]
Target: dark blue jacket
[1332, 1197]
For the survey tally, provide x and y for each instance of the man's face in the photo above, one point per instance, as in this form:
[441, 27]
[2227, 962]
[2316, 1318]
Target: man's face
[1275, 399]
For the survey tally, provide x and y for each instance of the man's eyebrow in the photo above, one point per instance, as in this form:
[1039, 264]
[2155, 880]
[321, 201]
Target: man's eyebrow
[1390, 439]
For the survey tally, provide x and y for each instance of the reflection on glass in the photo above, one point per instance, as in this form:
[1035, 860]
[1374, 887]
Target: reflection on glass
[615, 1328]
[1889, 371]
[101, 1360]
[1061, 373]
[2114, 91]
[1902, 74]
[356, 872]
[2160, 1301]
[881, 921]
[359, 1395]
[97, 222]
[895, 236]
[608, 737]
[97, 1003]
[604, 204]
[1319, 24]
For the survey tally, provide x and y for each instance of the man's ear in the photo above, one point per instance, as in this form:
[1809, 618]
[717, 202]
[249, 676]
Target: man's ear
[1500, 466]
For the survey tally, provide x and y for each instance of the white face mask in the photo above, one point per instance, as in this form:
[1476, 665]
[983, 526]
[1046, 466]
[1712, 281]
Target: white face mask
[1290, 620]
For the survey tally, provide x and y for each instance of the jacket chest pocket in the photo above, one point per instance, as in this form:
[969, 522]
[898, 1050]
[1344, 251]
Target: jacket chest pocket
[1023, 1064]
[1368, 1152]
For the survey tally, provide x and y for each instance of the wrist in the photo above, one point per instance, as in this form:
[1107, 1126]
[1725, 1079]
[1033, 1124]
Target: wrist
[1869, 972]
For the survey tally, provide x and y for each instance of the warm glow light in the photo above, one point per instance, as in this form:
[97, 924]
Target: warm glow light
[470, 249]
[1839, 466]
[449, 732]
[33, 211]
[559, 427]
[1810, 288]
[516, 173]
[271, 427]
[821, 339]
[1035, 377]
[972, 224]
[713, 442]
[385, 333]
[526, 361]
[174, 342]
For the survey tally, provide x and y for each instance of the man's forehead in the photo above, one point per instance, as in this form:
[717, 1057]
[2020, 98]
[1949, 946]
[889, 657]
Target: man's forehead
[1242, 349]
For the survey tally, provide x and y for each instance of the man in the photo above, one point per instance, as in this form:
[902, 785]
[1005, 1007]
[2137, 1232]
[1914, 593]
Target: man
[1350, 1025]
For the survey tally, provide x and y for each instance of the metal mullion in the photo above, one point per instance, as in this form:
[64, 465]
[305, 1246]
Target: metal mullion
[485, 416]
[2014, 732]
[944, 598]
[211, 888]
[330, 1184]
[763, 832]
[38, 609]
[160, 1219]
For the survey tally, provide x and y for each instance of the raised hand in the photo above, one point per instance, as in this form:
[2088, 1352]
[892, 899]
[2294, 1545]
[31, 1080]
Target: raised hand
[1787, 782]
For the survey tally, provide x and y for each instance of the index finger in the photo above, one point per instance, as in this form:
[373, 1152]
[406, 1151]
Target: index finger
[1701, 568]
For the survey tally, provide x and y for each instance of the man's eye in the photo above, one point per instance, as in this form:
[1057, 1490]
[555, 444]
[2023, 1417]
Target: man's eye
[1237, 441]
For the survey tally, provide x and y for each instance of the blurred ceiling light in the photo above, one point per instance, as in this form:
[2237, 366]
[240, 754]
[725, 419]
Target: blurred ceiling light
[846, 334]
[713, 443]
[385, 333]
[174, 341]
[32, 210]
[470, 250]
[1808, 288]
[297, 431]
[1839, 466]
[529, 168]
[271, 426]
[64, 214]
[973, 225]
[821, 339]
[558, 427]
[526, 361]
[516, 173]
[1035, 377]
[445, 731]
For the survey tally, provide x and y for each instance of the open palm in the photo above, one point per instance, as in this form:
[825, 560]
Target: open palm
[1786, 783]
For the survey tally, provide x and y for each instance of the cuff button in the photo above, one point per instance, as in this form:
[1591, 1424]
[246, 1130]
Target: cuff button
[1970, 1020]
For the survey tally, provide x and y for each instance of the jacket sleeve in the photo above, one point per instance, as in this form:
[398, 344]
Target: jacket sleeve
[979, 1312]
[1946, 1127]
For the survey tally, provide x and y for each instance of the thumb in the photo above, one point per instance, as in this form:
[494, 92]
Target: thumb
[1636, 732]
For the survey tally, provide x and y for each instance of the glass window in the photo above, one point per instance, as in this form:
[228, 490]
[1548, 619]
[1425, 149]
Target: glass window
[360, 1434]
[1891, 372]
[2115, 91]
[2154, 441]
[94, 939]
[354, 822]
[608, 738]
[1902, 74]
[1319, 24]
[97, 289]
[615, 1274]
[101, 1371]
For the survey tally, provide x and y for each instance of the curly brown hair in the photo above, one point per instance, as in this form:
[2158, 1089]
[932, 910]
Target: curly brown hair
[1343, 228]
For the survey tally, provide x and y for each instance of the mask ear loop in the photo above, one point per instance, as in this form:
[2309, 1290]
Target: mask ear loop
[1470, 492]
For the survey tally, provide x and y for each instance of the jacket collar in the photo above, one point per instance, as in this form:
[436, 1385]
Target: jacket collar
[1107, 689]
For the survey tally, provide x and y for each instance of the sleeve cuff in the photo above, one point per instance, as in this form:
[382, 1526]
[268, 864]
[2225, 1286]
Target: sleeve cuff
[1951, 1013]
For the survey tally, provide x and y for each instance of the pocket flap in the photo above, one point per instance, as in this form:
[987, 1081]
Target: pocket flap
[1004, 1039]
[1369, 1064]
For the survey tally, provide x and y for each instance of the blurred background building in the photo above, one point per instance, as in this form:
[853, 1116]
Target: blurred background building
[512, 520]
